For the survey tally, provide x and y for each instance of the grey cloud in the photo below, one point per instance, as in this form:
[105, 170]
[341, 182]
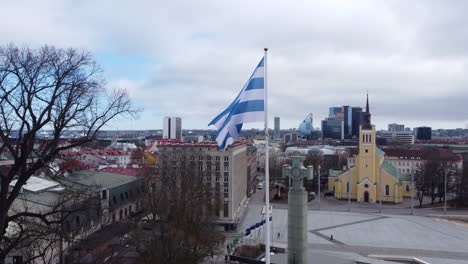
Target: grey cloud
[410, 55]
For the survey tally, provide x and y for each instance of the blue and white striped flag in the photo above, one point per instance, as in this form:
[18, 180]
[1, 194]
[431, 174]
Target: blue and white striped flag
[247, 107]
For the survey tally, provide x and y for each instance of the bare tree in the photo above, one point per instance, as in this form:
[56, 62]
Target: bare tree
[276, 171]
[315, 158]
[182, 204]
[420, 179]
[47, 88]
[430, 180]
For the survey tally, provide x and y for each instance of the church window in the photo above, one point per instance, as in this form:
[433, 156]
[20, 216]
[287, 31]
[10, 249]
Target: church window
[366, 185]
[347, 187]
[387, 190]
[370, 139]
[367, 150]
[363, 138]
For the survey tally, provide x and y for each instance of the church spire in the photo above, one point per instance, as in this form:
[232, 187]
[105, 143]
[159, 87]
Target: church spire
[367, 103]
[367, 116]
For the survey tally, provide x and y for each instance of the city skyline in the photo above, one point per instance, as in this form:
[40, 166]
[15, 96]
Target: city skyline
[410, 57]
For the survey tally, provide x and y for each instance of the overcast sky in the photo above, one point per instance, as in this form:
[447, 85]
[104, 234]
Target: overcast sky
[191, 58]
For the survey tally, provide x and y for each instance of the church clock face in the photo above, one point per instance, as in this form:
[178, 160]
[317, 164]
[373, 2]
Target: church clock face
[296, 173]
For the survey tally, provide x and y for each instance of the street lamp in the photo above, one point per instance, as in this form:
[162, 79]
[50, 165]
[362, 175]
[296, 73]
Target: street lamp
[445, 192]
[318, 186]
[412, 193]
[349, 190]
[380, 190]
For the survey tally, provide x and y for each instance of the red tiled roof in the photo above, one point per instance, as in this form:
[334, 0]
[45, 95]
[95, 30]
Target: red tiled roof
[212, 144]
[107, 152]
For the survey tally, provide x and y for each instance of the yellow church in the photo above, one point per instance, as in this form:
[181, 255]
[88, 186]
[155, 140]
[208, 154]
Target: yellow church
[371, 174]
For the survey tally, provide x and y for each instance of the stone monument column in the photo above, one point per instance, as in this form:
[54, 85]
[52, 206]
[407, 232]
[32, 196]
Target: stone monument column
[297, 211]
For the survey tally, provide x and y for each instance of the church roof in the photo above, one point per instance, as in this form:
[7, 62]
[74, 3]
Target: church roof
[335, 173]
[390, 169]
[380, 152]
[367, 179]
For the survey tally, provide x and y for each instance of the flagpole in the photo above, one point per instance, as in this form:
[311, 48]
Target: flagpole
[267, 167]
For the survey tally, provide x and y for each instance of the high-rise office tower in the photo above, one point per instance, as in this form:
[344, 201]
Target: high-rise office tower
[423, 133]
[351, 117]
[277, 126]
[394, 127]
[172, 127]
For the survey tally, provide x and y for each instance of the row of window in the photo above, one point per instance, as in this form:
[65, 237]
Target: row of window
[387, 188]
[123, 196]
[200, 158]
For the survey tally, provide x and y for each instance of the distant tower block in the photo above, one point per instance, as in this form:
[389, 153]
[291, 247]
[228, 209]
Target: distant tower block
[172, 127]
[297, 211]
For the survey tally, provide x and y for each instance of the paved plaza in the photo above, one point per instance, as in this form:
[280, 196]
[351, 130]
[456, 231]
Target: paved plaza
[358, 234]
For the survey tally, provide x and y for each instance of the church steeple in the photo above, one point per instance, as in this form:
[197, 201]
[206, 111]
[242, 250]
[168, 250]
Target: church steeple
[367, 116]
[367, 103]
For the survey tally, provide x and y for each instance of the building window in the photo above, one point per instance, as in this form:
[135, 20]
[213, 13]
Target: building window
[126, 195]
[226, 158]
[114, 199]
[67, 226]
[104, 194]
[347, 187]
[407, 188]
[226, 209]
[77, 220]
[387, 190]
[226, 168]
[217, 158]
[367, 151]
[366, 185]
[121, 197]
